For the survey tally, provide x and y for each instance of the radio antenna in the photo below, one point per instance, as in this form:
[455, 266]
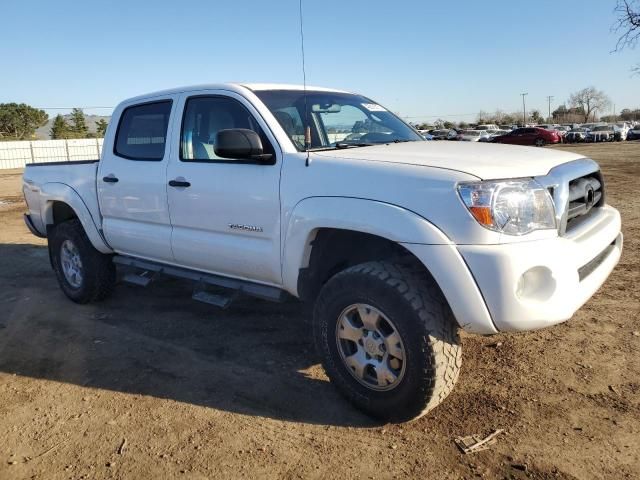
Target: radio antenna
[307, 128]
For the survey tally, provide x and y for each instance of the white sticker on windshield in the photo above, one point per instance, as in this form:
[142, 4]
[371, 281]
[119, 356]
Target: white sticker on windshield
[374, 107]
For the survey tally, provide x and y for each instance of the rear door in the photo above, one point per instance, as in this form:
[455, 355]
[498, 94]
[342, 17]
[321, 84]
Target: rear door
[516, 136]
[225, 213]
[529, 136]
[132, 181]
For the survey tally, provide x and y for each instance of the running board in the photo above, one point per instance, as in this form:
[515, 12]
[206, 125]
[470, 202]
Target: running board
[142, 280]
[153, 269]
[221, 300]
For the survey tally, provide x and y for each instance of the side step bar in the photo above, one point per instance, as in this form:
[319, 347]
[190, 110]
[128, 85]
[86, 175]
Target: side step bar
[150, 270]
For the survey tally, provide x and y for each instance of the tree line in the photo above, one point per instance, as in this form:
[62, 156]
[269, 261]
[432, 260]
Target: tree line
[19, 121]
[583, 106]
[76, 127]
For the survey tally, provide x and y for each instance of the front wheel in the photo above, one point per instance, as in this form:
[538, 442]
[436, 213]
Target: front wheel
[540, 142]
[84, 274]
[388, 340]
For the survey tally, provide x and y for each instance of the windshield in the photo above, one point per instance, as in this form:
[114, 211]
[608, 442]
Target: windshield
[602, 128]
[471, 133]
[336, 120]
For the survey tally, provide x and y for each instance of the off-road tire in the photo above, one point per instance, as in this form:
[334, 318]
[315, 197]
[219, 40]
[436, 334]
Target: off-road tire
[99, 272]
[411, 299]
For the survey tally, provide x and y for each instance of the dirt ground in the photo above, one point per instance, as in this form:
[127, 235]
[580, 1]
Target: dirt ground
[151, 384]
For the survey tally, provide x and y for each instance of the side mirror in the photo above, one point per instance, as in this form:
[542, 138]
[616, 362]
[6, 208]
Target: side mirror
[240, 144]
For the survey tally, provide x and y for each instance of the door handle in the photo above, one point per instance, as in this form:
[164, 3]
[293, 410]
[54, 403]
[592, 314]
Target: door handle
[110, 179]
[179, 183]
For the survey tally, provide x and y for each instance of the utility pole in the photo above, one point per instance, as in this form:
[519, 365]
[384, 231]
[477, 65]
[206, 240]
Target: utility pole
[549, 98]
[524, 110]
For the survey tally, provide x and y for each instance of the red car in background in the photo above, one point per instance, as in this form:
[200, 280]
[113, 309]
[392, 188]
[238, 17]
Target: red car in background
[529, 136]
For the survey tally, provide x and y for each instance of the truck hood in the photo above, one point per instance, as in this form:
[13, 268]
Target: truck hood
[486, 161]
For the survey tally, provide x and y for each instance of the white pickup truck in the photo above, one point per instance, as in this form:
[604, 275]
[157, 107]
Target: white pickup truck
[324, 195]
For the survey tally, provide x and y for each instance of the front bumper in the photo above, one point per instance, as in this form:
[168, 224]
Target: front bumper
[525, 285]
[531, 285]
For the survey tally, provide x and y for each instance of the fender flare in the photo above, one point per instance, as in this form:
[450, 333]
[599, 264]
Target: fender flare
[60, 192]
[382, 219]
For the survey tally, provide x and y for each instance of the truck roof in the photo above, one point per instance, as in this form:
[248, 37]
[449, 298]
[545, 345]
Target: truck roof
[232, 86]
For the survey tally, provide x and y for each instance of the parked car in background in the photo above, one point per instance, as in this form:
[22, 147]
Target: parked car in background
[508, 128]
[562, 130]
[444, 134]
[487, 126]
[493, 134]
[529, 136]
[473, 135]
[603, 133]
[634, 133]
[425, 134]
[577, 135]
[624, 129]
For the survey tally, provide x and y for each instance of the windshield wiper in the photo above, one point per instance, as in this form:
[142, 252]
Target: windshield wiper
[355, 144]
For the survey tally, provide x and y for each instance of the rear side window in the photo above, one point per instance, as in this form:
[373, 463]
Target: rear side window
[142, 131]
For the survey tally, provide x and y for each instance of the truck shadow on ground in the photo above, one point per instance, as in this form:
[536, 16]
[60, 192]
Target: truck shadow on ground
[255, 358]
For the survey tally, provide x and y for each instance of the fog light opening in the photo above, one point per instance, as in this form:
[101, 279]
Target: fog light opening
[537, 284]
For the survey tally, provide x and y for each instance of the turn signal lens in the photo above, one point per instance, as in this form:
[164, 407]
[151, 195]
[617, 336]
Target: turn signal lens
[482, 215]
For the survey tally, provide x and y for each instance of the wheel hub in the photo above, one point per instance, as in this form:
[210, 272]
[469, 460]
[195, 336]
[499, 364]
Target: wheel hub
[71, 264]
[370, 347]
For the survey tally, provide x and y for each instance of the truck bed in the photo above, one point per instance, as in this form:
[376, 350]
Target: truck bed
[44, 183]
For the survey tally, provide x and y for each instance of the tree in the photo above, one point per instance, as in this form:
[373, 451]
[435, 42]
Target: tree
[101, 127]
[627, 26]
[78, 123]
[589, 100]
[463, 125]
[536, 117]
[20, 121]
[448, 125]
[482, 117]
[60, 128]
[630, 115]
[508, 119]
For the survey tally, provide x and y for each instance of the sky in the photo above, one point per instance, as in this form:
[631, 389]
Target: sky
[423, 60]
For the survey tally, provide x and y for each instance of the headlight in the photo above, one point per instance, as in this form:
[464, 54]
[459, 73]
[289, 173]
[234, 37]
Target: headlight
[513, 207]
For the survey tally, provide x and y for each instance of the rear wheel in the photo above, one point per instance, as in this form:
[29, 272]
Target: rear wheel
[540, 142]
[388, 340]
[84, 274]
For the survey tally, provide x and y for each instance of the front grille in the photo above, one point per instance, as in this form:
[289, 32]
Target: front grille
[577, 190]
[586, 194]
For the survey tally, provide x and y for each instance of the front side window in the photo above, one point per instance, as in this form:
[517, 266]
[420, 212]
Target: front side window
[204, 117]
[142, 131]
[335, 119]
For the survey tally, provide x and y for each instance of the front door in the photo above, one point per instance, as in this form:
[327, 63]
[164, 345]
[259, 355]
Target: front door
[225, 213]
[132, 182]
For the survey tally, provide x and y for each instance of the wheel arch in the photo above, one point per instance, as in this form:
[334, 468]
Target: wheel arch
[63, 203]
[326, 234]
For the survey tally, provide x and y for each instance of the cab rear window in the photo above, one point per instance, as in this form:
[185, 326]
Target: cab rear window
[142, 131]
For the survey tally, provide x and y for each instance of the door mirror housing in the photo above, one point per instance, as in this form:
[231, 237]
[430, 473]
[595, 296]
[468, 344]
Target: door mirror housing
[240, 144]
